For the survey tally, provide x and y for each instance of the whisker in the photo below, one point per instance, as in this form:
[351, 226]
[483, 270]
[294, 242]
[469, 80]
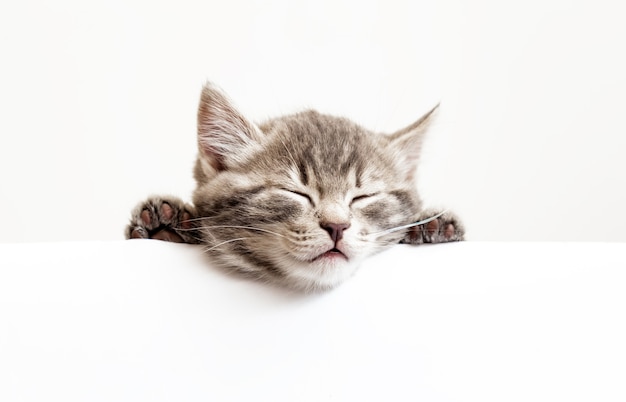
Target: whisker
[233, 227]
[365, 237]
[381, 243]
[222, 243]
[410, 225]
[199, 239]
[193, 219]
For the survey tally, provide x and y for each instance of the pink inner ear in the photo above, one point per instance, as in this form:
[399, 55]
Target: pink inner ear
[208, 129]
[211, 156]
[224, 134]
[408, 142]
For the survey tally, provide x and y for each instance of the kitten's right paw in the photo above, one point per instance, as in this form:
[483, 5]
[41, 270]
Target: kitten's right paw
[164, 218]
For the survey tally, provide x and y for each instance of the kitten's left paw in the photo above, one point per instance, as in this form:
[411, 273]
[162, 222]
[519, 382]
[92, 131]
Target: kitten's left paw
[444, 229]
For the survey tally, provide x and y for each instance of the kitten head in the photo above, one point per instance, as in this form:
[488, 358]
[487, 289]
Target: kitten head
[298, 200]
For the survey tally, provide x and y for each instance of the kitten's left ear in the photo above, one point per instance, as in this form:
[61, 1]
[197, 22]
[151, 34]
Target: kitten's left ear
[406, 144]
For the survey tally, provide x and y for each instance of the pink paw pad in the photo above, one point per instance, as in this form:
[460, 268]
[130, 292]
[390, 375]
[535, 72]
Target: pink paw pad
[450, 231]
[166, 211]
[138, 233]
[432, 227]
[145, 217]
[186, 222]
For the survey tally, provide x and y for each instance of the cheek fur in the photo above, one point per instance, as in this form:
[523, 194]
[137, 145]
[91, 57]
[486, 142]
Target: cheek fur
[394, 209]
[253, 208]
[381, 213]
[279, 209]
[378, 211]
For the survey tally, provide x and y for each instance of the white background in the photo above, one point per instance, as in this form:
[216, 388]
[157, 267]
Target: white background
[465, 322]
[98, 102]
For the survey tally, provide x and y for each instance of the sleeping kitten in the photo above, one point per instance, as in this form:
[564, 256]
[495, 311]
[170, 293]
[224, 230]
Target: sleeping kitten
[299, 200]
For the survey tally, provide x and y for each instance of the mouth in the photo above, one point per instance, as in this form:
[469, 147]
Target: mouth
[331, 254]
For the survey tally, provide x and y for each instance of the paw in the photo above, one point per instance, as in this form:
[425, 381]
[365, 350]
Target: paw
[164, 218]
[446, 228]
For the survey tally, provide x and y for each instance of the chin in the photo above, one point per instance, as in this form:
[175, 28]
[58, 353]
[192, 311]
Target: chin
[322, 273]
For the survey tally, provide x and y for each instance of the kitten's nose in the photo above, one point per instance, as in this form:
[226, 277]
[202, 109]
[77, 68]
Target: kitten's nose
[335, 230]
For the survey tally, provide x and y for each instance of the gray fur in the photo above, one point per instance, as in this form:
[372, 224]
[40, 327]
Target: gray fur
[268, 196]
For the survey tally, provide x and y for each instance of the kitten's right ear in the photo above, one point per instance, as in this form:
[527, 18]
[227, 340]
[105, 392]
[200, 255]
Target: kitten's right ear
[225, 136]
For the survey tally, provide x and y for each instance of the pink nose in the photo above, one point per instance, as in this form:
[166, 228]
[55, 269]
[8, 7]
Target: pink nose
[335, 230]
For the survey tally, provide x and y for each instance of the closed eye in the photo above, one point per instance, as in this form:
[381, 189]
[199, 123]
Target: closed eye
[303, 195]
[362, 197]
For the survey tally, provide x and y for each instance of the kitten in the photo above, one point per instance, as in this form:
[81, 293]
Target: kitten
[299, 200]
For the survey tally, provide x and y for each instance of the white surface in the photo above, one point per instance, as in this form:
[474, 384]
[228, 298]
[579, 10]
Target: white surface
[98, 102]
[149, 320]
